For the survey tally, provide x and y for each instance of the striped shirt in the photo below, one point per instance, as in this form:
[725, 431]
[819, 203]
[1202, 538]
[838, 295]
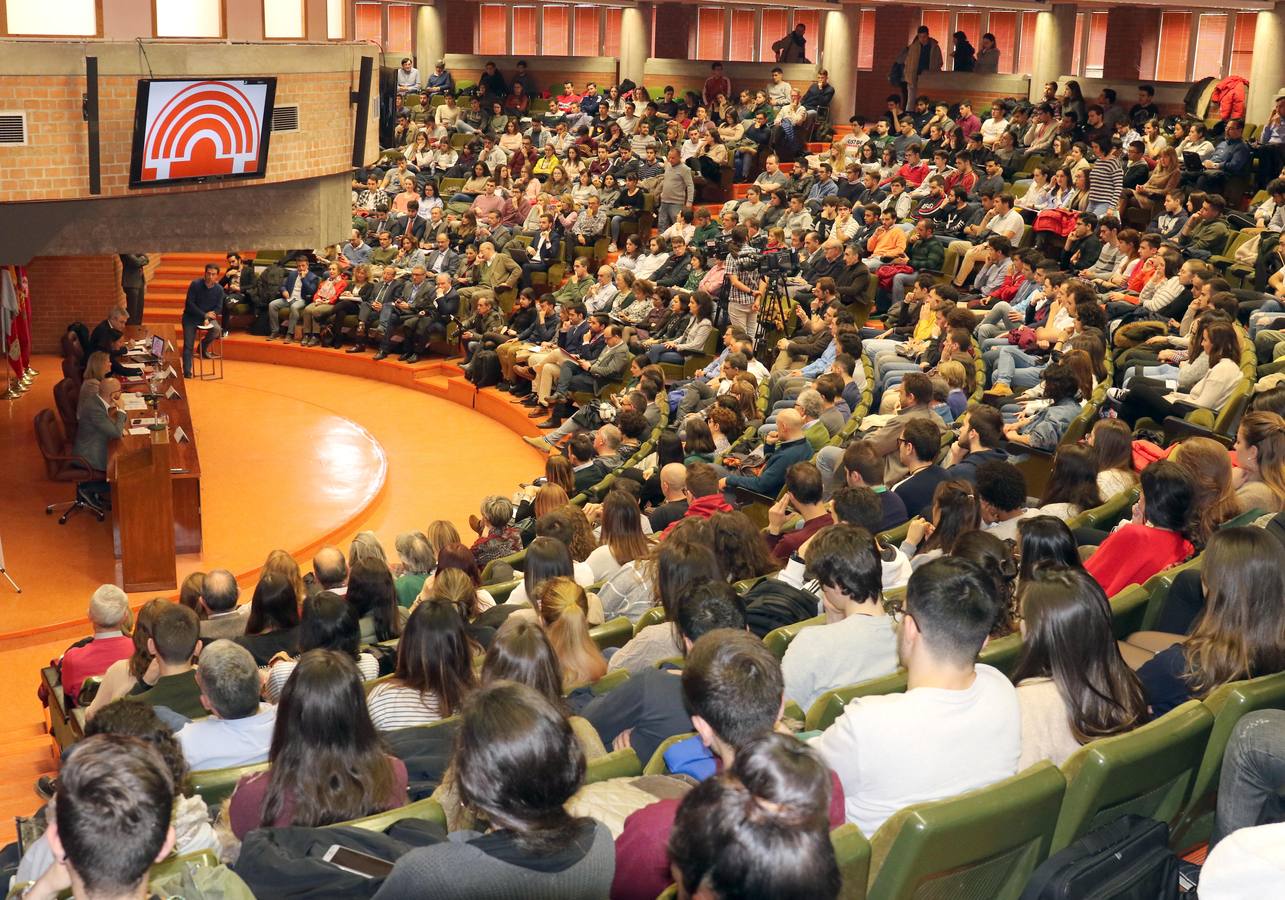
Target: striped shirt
[394, 706]
[1106, 181]
[280, 673]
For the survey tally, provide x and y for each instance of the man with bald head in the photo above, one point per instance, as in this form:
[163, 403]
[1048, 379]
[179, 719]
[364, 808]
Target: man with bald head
[786, 446]
[329, 572]
[673, 485]
[498, 272]
[219, 595]
[100, 419]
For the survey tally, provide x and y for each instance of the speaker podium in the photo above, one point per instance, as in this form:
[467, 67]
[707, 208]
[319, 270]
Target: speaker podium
[143, 517]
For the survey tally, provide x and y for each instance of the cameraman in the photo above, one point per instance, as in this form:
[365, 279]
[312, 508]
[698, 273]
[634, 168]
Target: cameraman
[743, 292]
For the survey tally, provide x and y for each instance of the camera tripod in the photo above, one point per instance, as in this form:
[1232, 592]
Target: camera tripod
[773, 308]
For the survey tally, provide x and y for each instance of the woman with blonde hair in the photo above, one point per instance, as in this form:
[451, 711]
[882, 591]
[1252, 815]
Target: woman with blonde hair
[547, 498]
[1260, 453]
[563, 608]
[1215, 500]
[96, 369]
[440, 533]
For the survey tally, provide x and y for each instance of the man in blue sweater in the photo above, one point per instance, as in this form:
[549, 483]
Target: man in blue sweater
[201, 311]
[787, 447]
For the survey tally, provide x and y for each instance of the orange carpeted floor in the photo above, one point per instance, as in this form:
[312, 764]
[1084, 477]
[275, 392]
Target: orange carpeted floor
[290, 457]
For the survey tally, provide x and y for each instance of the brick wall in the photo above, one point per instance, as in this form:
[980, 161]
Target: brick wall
[1132, 32]
[65, 289]
[322, 146]
[674, 23]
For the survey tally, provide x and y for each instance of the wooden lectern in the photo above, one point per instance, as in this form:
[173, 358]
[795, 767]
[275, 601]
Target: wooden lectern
[143, 516]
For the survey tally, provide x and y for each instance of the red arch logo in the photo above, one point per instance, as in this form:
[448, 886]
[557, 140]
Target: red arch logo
[207, 128]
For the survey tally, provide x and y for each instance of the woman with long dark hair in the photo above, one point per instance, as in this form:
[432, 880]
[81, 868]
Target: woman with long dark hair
[1072, 684]
[329, 623]
[1112, 440]
[326, 762]
[1241, 632]
[1044, 540]
[1215, 500]
[272, 626]
[956, 510]
[995, 557]
[1260, 453]
[516, 764]
[434, 671]
[124, 675]
[1158, 535]
[1156, 401]
[1073, 483]
[373, 594]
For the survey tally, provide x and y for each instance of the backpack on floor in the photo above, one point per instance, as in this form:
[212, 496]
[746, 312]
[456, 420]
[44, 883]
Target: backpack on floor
[484, 370]
[1128, 859]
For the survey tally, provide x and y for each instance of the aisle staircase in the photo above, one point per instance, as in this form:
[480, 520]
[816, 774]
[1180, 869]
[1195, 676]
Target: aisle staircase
[26, 753]
[168, 288]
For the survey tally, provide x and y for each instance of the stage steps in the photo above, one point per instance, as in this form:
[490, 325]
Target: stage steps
[26, 752]
[167, 289]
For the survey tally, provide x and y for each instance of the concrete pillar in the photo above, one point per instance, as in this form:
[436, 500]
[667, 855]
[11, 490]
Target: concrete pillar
[635, 41]
[430, 39]
[1054, 44]
[1267, 66]
[839, 57]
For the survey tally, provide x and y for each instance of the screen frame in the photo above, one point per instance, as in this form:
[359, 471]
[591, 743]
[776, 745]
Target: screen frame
[140, 132]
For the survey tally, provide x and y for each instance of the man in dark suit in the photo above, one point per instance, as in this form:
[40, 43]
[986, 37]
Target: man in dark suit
[387, 292]
[432, 318]
[107, 337]
[133, 283]
[99, 421]
[585, 470]
[418, 296]
[442, 258]
[201, 310]
[296, 293]
[542, 253]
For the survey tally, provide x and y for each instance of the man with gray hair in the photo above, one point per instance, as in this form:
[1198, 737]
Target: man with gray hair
[238, 731]
[218, 598]
[109, 615]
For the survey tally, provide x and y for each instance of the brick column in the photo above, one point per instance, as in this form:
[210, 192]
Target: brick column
[1129, 30]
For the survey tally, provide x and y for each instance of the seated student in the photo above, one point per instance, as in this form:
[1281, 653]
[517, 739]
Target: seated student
[273, 624]
[957, 727]
[109, 614]
[803, 496]
[1260, 456]
[329, 622]
[1073, 483]
[1237, 636]
[1156, 536]
[327, 764]
[563, 609]
[135, 826]
[759, 829]
[917, 450]
[1044, 429]
[217, 606]
[858, 641]
[175, 642]
[434, 671]
[789, 447]
[863, 467]
[1072, 684]
[1250, 788]
[372, 592]
[981, 431]
[954, 513]
[238, 730]
[648, 708]
[1001, 489]
[733, 690]
[516, 764]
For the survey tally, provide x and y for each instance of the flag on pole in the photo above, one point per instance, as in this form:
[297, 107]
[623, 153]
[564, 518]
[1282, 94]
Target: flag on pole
[10, 311]
[24, 317]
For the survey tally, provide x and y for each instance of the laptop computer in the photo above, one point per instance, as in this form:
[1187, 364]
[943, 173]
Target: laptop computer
[1191, 161]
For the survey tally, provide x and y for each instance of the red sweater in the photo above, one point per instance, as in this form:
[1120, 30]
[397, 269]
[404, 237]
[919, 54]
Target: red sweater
[93, 658]
[702, 508]
[642, 857]
[1132, 554]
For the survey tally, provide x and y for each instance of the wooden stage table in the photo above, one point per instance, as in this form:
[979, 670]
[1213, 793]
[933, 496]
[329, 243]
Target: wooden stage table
[156, 487]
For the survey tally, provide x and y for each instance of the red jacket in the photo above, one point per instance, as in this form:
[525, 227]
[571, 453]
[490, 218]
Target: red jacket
[1008, 288]
[703, 508]
[86, 660]
[1229, 96]
[1132, 554]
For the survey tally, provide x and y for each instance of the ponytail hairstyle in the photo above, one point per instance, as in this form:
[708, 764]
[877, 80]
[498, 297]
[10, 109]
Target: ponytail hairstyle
[995, 556]
[1113, 442]
[956, 511]
[759, 829]
[564, 610]
[1265, 432]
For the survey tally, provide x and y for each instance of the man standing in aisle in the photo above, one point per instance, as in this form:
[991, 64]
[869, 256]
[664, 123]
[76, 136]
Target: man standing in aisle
[201, 311]
[133, 283]
[677, 190]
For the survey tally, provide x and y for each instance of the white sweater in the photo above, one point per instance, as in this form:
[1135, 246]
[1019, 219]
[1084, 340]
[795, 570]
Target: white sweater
[1216, 387]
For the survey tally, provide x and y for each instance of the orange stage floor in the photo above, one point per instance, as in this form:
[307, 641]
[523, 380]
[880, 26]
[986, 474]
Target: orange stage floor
[291, 457]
